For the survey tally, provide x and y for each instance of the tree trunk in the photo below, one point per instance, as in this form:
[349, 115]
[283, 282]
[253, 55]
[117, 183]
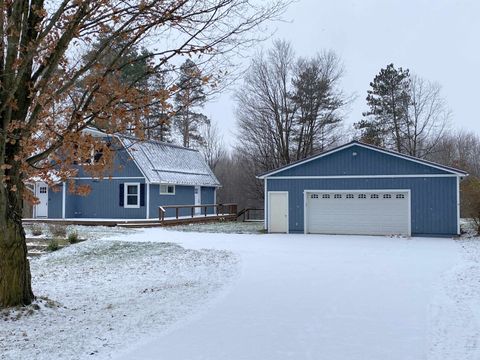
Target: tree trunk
[15, 277]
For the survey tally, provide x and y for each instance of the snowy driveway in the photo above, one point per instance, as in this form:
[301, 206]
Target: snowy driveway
[312, 297]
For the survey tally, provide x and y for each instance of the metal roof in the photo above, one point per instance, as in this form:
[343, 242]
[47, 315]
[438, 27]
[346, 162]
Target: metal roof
[165, 163]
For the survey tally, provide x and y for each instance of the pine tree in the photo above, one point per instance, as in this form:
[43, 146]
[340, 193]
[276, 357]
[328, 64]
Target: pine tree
[190, 96]
[158, 123]
[388, 101]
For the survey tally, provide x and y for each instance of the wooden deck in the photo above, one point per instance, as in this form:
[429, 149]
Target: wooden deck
[220, 212]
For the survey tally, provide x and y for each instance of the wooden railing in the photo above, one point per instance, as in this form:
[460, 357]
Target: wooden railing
[218, 210]
[246, 214]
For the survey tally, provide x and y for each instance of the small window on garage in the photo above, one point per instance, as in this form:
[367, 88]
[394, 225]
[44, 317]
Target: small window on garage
[387, 196]
[337, 196]
[350, 196]
[326, 196]
[362, 196]
[400, 196]
[374, 196]
[314, 196]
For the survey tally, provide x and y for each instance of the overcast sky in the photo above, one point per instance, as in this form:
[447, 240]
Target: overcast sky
[437, 40]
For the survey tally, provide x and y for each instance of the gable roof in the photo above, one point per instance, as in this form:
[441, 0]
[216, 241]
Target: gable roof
[164, 163]
[368, 146]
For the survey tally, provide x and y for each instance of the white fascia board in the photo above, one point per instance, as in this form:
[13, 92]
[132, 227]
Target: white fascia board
[177, 184]
[361, 176]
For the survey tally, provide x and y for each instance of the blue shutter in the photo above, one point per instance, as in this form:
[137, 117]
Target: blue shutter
[120, 200]
[142, 194]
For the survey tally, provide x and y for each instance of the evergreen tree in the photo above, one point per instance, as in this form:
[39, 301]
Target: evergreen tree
[133, 68]
[158, 123]
[317, 101]
[388, 101]
[189, 97]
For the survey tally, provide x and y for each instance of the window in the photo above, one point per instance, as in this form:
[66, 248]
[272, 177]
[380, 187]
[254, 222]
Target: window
[314, 196]
[362, 196]
[167, 189]
[337, 196]
[350, 196]
[326, 196]
[387, 196]
[43, 189]
[400, 196]
[374, 196]
[132, 195]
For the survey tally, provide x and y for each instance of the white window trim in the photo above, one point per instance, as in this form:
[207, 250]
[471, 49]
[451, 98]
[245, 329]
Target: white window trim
[166, 193]
[125, 195]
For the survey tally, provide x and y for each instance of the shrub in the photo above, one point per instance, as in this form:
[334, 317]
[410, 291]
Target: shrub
[73, 237]
[53, 245]
[58, 230]
[471, 201]
[36, 229]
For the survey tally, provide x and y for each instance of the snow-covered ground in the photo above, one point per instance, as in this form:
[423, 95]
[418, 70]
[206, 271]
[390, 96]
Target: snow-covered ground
[169, 294]
[229, 227]
[105, 294]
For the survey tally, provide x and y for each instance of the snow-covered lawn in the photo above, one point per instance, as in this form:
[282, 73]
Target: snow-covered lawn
[168, 294]
[228, 227]
[105, 294]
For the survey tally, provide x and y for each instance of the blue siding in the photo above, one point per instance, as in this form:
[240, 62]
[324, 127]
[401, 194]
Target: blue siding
[55, 201]
[433, 199]
[123, 166]
[184, 195]
[366, 162]
[208, 197]
[102, 201]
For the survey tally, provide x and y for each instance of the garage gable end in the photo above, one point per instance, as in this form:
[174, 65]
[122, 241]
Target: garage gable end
[358, 159]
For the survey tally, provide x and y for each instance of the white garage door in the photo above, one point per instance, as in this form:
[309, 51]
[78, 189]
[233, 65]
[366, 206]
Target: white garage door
[358, 212]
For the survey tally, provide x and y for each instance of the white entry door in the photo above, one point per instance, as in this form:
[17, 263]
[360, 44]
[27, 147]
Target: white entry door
[198, 200]
[41, 192]
[277, 212]
[366, 212]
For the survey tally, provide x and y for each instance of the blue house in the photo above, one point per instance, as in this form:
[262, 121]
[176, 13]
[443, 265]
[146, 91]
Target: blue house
[145, 175]
[362, 189]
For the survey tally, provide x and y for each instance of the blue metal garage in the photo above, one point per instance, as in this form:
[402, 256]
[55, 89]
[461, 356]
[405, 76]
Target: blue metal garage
[358, 188]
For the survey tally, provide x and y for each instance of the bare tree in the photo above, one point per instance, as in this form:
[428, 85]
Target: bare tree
[287, 109]
[239, 185]
[427, 118]
[459, 149]
[265, 110]
[212, 145]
